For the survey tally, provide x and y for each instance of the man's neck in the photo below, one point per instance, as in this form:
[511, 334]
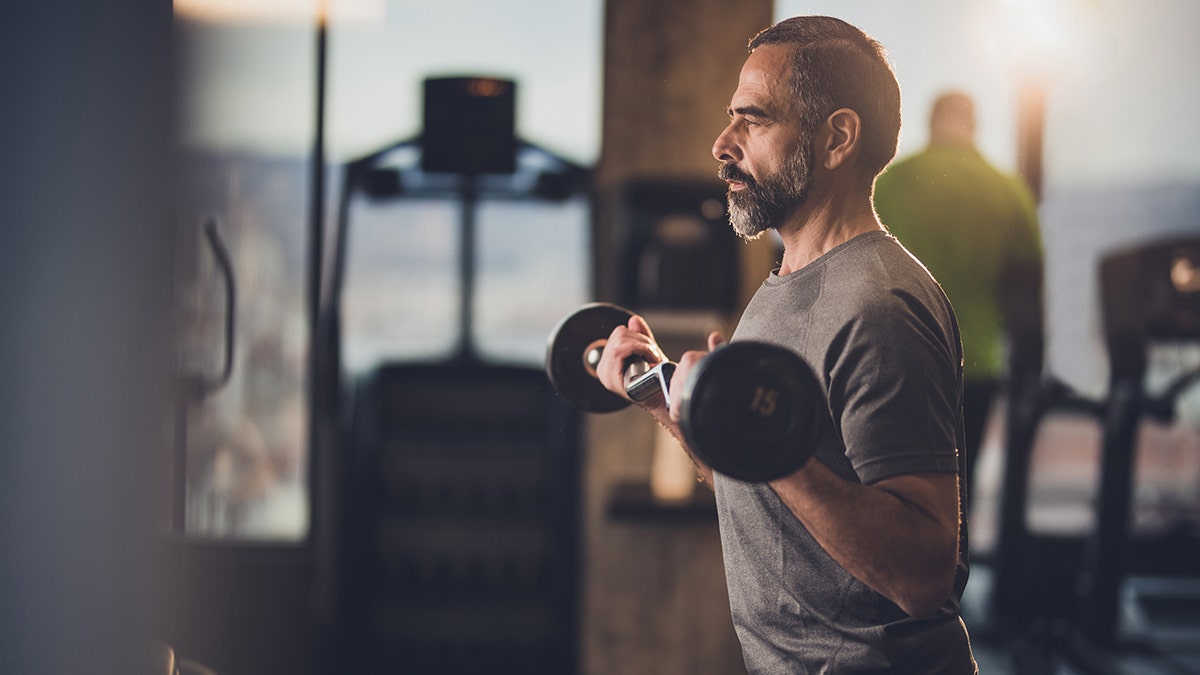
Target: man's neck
[820, 225]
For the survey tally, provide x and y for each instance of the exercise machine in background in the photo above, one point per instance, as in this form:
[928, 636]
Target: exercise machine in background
[1117, 599]
[458, 498]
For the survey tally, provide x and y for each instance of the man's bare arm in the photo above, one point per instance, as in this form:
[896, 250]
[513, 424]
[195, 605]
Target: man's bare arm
[636, 340]
[899, 536]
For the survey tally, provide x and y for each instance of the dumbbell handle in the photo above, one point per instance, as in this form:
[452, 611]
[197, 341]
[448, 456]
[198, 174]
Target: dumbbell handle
[643, 381]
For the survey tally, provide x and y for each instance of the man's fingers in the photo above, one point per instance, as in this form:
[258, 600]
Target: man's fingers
[624, 344]
[643, 339]
[638, 325]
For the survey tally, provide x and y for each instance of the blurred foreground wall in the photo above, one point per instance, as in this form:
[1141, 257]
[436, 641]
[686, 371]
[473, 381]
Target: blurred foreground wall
[84, 299]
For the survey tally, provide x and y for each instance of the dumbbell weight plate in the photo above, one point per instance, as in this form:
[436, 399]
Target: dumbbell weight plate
[750, 411]
[566, 356]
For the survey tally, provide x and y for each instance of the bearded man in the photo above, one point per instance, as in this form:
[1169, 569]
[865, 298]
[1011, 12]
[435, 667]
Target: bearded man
[856, 562]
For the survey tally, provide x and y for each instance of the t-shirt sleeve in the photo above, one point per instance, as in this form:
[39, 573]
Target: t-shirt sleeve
[893, 390]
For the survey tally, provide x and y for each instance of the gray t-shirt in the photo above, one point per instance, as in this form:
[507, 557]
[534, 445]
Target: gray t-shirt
[882, 338]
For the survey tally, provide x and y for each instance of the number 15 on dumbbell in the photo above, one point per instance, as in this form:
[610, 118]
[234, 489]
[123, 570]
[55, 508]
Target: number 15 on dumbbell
[749, 410]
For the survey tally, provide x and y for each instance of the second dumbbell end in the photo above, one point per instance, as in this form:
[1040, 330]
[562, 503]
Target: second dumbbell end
[753, 411]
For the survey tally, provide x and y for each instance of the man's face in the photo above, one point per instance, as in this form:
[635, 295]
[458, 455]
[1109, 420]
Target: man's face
[766, 158]
[765, 202]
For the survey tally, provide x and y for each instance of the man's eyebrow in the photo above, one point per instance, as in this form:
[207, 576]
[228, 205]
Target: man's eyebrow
[751, 110]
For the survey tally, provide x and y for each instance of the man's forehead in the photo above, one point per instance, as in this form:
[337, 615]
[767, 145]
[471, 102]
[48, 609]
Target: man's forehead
[764, 78]
[773, 57]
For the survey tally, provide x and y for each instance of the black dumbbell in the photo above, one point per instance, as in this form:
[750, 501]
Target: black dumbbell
[750, 410]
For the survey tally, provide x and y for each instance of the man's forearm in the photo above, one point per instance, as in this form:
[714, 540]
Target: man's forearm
[898, 536]
[663, 417]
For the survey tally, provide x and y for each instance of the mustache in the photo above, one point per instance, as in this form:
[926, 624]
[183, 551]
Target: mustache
[732, 172]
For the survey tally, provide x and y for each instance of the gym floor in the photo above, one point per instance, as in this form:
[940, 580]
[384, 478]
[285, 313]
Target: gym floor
[1062, 487]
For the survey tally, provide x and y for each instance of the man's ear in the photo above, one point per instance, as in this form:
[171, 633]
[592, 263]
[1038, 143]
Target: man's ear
[843, 133]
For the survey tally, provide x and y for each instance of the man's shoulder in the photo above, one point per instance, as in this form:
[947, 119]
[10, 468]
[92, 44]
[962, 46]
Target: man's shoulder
[880, 279]
[878, 258]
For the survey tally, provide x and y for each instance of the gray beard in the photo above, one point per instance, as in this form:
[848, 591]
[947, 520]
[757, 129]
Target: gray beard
[763, 205]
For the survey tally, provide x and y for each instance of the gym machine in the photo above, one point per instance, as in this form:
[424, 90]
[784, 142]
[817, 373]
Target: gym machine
[1060, 598]
[458, 486]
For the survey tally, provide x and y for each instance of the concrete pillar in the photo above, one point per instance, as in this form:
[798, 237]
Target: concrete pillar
[654, 591]
[670, 68]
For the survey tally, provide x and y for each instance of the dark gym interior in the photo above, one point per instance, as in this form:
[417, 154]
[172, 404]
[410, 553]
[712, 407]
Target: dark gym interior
[289, 413]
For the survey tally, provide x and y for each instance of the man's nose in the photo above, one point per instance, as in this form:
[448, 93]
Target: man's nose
[725, 149]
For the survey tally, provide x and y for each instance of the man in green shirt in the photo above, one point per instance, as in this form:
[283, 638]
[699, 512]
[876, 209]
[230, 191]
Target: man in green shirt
[976, 230]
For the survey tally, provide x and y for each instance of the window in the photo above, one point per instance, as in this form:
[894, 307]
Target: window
[403, 290]
[245, 460]
[247, 95]
[402, 285]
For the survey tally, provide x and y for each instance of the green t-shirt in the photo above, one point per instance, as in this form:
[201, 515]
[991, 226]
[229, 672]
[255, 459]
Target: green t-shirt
[966, 221]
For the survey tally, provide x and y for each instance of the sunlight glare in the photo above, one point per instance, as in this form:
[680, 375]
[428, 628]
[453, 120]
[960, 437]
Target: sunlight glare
[1031, 36]
[255, 11]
